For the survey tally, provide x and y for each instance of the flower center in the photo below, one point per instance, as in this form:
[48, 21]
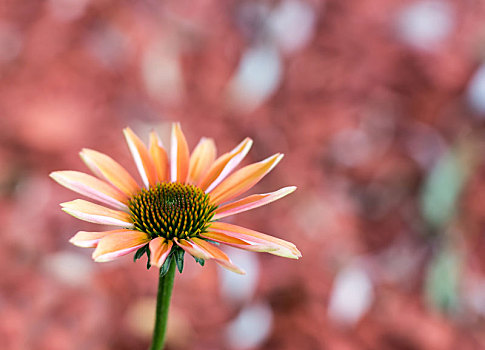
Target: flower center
[171, 210]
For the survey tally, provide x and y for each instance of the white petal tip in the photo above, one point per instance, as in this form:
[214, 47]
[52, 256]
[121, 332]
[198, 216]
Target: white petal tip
[249, 141]
[84, 244]
[288, 190]
[101, 259]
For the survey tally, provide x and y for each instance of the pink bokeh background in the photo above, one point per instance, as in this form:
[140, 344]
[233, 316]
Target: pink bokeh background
[379, 107]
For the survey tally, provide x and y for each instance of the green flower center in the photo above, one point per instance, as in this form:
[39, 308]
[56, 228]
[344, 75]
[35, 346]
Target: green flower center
[171, 210]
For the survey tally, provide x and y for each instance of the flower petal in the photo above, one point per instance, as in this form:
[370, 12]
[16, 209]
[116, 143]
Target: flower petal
[105, 167]
[192, 248]
[224, 165]
[251, 202]
[179, 155]
[92, 187]
[159, 157]
[243, 179]
[201, 159]
[283, 248]
[159, 250]
[86, 239]
[243, 242]
[142, 158]
[218, 255]
[97, 214]
[120, 243]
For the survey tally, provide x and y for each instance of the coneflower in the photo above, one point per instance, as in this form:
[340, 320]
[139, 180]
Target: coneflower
[177, 209]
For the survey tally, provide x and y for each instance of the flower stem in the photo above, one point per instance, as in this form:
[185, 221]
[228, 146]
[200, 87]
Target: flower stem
[165, 286]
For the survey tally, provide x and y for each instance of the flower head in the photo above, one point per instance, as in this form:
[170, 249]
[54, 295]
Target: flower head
[178, 207]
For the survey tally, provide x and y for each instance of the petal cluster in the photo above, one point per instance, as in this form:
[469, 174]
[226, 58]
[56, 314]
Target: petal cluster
[113, 188]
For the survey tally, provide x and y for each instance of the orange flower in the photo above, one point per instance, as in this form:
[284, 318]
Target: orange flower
[178, 207]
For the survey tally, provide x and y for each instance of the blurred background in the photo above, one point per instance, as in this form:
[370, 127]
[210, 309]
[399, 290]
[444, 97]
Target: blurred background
[379, 107]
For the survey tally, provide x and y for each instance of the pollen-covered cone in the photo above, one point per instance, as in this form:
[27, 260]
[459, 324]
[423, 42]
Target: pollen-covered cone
[176, 206]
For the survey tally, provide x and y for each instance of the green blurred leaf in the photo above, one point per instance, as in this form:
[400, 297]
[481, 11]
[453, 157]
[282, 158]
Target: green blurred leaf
[442, 280]
[442, 189]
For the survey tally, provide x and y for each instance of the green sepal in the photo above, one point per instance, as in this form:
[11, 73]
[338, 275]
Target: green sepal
[148, 257]
[179, 259]
[166, 266]
[199, 261]
[139, 253]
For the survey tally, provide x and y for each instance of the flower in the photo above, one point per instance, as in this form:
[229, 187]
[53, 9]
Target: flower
[178, 207]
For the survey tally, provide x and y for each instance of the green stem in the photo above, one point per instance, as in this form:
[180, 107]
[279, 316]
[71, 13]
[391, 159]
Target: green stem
[165, 286]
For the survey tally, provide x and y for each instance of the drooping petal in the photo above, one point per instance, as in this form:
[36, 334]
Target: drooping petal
[97, 214]
[243, 242]
[218, 255]
[120, 243]
[201, 159]
[224, 165]
[142, 158]
[105, 167]
[251, 202]
[243, 179]
[159, 251]
[179, 155]
[159, 157]
[86, 239]
[192, 248]
[284, 248]
[91, 187]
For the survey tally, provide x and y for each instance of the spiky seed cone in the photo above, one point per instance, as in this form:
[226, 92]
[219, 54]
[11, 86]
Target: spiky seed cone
[171, 210]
